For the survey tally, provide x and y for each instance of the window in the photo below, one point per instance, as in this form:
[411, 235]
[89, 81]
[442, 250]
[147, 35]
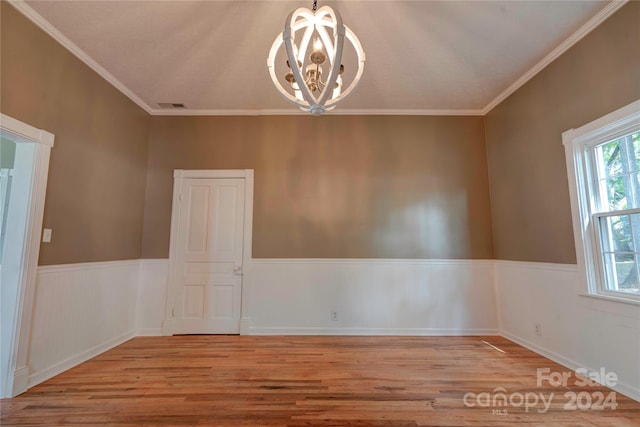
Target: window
[603, 166]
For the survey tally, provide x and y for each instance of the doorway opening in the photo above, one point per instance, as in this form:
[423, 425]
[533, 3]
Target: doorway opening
[24, 164]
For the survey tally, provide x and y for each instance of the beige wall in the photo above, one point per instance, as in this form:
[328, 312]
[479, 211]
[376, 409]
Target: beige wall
[336, 186]
[527, 170]
[95, 194]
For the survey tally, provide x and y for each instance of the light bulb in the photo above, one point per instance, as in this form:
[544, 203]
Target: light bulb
[338, 88]
[317, 56]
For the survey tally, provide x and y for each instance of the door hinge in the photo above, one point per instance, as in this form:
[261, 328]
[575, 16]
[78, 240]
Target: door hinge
[173, 312]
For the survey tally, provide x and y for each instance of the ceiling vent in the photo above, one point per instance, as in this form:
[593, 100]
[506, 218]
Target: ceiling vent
[171, 105]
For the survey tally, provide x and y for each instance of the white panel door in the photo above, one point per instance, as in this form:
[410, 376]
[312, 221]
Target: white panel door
[209, 256]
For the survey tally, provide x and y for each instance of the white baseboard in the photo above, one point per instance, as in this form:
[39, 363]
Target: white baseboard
[167, 327]
[245, 326]
[80, 310]
[576, 332]
[152, 294]
[558, 358]
[371, 331]
[20, 380]
[38, 377]
[620, 387]
[149, 332]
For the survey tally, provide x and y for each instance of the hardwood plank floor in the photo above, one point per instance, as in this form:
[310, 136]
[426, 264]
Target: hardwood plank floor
[312, 381]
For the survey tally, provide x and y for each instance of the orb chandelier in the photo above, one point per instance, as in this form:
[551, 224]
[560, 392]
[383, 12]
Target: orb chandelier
[314, 42]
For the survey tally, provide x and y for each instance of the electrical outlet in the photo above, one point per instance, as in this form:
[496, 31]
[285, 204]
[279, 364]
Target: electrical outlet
[334, 316]
[538, 327]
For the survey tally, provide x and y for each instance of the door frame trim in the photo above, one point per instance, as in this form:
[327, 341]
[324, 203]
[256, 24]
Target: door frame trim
[20, 132]
[178, 176]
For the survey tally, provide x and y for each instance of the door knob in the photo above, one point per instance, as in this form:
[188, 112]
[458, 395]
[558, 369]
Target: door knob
[237, 270]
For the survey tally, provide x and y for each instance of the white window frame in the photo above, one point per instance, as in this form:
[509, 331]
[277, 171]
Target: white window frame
[579, 144]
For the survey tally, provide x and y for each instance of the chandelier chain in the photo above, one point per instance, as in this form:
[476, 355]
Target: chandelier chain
[315, 5]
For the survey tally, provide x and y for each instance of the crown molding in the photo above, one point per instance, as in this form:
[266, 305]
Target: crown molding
[574, 38]
[48, 28]
[585, 29]
[297, 112]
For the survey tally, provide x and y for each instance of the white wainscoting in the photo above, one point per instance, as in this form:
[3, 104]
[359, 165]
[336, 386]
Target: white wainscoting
[371, 297]
[80, 310]
[577, 331]
[152, 296]
[84, 309]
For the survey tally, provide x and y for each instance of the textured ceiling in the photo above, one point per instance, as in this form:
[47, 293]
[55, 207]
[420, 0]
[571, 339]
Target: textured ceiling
[422, 56]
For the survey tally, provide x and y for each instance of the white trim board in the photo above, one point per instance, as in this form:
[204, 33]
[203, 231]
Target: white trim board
[574, 38]
[63, 365]
[24, 228]
[585, 29]
[337, 112]
[84, 265]
[371, 261]
[412, 332]
[621, 387]
[80, 311]
[52, 31]
[576, 332]
[151, 298]
[572, 268]
[23, 132]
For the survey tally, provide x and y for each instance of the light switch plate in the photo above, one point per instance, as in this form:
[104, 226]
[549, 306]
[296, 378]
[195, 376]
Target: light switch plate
[46, 235]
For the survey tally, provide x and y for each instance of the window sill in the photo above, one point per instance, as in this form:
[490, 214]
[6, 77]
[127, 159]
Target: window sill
[611, 298]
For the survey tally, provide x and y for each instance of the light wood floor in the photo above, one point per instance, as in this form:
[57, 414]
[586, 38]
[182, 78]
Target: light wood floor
[306, 381]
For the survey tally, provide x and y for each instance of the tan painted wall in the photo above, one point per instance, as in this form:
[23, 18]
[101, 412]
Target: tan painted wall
[336, 186]
[527, 170]
[95, 194]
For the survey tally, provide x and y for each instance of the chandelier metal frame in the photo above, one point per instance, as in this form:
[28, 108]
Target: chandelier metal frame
[326, 26]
